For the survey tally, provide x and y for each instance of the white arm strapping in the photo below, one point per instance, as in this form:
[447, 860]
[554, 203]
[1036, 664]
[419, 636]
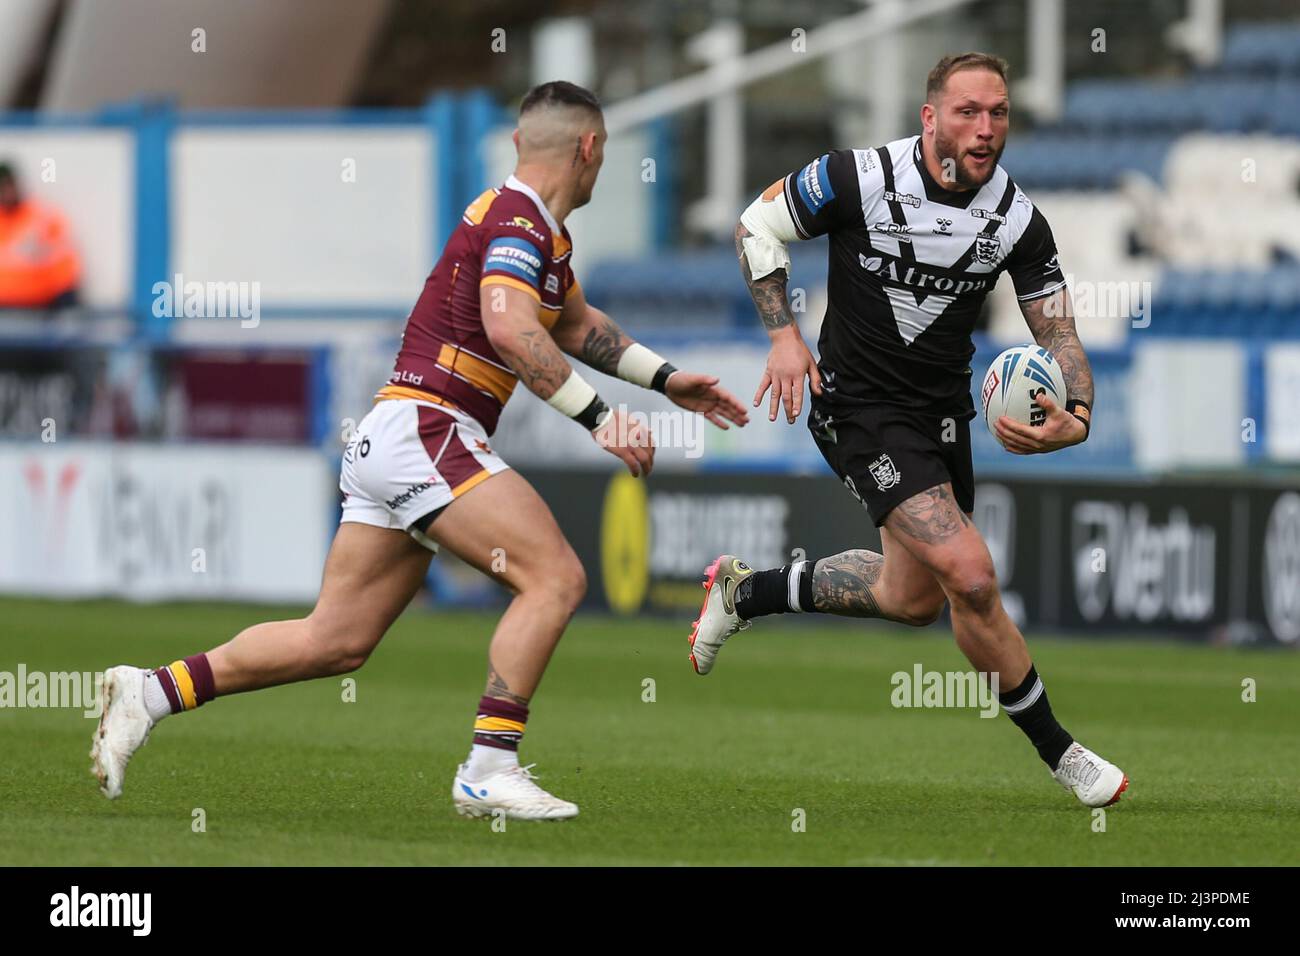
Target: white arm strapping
[770, 227]
[638, 365]
[573, 396]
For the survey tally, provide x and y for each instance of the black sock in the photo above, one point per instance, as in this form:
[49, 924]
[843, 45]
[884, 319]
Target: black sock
[1029, 710]
[769, 592]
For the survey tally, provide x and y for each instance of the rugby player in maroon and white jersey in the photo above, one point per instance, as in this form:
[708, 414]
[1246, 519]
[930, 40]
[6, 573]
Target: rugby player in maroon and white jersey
[501, 305]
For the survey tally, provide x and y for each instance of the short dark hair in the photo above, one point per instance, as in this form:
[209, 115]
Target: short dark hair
[949, 65]
[7, 173]
[560, 93]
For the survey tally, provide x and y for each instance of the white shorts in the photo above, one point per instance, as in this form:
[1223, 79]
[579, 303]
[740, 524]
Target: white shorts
[410, 458]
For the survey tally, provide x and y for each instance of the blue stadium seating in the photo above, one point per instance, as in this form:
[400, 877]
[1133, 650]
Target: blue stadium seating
[1260, 304]
[1263, 48]
[692, 291]
[1219, 103]
[689, 290]
[1110, 126]
[1081, 160]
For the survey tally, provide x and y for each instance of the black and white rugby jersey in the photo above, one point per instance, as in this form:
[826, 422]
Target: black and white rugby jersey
[910, 265]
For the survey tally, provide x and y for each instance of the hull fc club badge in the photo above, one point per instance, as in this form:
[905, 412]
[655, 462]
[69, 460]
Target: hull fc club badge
[986, 249]
[883, 470]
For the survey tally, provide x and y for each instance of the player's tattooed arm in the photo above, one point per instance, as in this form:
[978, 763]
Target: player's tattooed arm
[538, 362]
[594, 338]
[842, 583]
[510, 318]
[604, 344]
[1051, 320]
[930, 517]
[588, 334]
[768, 292]
[789, 361]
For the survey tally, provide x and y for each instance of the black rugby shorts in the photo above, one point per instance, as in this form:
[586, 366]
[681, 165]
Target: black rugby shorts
[886, 454]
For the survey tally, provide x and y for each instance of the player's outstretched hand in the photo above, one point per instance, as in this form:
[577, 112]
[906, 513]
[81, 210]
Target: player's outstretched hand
[788, 363]
[1060, 430]
[628, 440]
[700, 393]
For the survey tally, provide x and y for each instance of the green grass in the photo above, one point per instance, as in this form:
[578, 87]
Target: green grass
[796, 716]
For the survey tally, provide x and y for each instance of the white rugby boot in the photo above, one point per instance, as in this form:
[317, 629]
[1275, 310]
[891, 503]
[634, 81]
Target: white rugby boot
[512, 791]
[123, 728]
[718, 618]
[1096, 782]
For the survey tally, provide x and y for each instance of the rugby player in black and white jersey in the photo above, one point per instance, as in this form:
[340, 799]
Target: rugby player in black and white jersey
[920, 230]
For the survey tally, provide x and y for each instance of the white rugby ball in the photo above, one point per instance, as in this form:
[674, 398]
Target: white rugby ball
[1012, 381]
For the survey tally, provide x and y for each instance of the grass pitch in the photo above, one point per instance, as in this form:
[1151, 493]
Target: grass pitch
[797, 716]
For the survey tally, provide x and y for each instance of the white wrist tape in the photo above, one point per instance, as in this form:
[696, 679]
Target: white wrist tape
[770, 227]
[638, 365]
[573, 397]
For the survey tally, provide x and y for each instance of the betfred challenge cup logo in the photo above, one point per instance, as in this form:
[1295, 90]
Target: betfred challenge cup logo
[990, 386]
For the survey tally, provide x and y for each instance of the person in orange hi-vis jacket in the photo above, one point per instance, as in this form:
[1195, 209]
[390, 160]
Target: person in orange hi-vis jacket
[39, 264]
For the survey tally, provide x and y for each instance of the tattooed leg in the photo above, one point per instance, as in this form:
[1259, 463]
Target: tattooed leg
[843, 584]
[931, 517]
[938, 535]
[867, 584]
[497, 687]
[942, 538]
[860, 583]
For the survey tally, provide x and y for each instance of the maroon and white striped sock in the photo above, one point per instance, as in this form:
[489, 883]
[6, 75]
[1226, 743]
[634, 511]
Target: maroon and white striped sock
[181, 685]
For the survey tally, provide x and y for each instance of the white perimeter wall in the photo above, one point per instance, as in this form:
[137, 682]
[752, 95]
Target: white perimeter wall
[78, 520]
[272, 206]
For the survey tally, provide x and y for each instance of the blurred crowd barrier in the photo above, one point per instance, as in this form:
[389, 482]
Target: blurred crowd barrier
[136, 391]
[1215, 560]
[1162, 405]
[154, 522]
[183, 470]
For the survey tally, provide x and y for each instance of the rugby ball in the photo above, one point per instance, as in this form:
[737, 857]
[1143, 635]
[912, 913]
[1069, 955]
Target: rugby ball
[1014, 379]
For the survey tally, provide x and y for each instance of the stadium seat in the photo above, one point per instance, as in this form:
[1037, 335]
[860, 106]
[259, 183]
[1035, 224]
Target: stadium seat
[690, 290]
[1262, 48]
[1062, 161]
